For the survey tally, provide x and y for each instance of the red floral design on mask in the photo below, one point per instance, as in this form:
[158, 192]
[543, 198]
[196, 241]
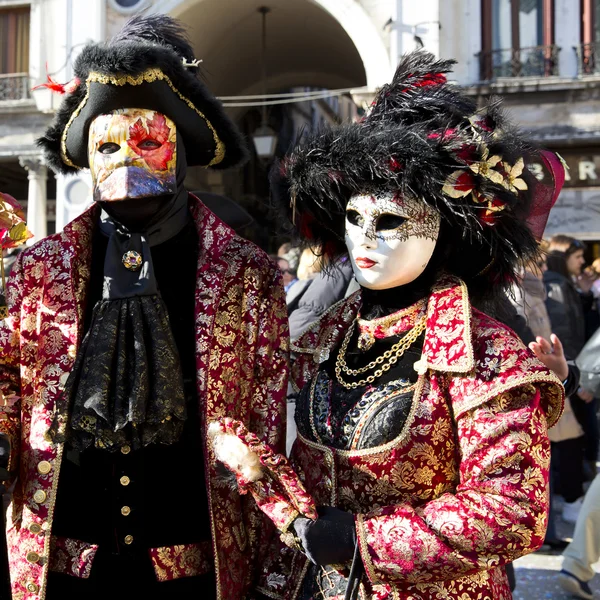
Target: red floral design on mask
[152, 145]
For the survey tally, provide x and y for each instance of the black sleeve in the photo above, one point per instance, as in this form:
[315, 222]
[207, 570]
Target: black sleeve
[506, 312]
[572, 381]
[558, 311]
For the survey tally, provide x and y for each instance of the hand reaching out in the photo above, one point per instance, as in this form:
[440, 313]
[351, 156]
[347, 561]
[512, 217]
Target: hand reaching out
[586, 280]
[586, 396]
[551, 354]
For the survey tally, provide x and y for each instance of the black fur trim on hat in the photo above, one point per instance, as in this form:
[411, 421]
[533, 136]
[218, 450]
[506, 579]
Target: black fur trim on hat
[420, 132]
[155, 41]
[158, 29]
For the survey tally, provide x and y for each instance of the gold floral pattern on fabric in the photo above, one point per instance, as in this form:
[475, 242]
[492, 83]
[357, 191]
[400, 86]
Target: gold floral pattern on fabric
[72, 557]
[464, 489]
[277, 490]
[242, 365]
[185, 560]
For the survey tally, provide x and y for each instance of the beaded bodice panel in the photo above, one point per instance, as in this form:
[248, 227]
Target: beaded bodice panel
[370, 414]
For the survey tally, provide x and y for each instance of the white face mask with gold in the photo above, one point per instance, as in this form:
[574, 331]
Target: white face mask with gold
[390, 239]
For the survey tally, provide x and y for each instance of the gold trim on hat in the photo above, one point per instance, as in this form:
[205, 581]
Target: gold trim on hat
[148, 76]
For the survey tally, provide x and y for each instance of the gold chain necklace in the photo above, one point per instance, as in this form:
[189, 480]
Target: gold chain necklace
[392, 356]
[367, 329]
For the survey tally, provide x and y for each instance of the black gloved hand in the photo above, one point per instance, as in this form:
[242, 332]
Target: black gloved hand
[331, 539]
[4, 458]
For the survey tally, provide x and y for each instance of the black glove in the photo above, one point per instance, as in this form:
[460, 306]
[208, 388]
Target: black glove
[331, 539]
[4, 458]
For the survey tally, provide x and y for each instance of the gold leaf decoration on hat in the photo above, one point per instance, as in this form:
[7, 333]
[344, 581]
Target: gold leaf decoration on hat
[512, 181]
[13, 230]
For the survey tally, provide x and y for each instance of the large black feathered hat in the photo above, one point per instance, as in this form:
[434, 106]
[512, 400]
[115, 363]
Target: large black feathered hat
[425, 139]
[149, 64]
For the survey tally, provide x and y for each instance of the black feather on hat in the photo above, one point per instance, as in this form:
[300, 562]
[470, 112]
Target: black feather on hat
[422, 139]
[149, 64]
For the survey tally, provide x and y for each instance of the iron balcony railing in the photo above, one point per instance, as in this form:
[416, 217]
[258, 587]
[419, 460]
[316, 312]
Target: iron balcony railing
[586, 58]
[536, 61]
[14, 86]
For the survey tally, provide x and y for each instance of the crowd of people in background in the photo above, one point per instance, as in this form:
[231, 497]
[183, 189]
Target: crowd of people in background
[556, 306]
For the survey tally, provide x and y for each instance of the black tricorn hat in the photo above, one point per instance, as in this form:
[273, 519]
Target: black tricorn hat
[149, 64]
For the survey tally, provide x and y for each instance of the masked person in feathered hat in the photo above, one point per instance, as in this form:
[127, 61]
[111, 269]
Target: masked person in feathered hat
[144, 320]
[422, 421]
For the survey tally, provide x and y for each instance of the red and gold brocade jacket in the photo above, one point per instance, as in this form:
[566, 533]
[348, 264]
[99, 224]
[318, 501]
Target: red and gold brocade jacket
[464, 488]
[242, 371]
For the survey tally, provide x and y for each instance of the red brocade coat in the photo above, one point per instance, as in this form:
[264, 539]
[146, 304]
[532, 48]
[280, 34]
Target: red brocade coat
[242, 369]
[464, 488]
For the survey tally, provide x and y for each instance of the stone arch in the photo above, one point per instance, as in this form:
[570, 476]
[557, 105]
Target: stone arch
[363, 57]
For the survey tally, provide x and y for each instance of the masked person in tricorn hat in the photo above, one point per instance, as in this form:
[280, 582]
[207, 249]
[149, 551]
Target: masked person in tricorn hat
[422, 421]
[145, 319]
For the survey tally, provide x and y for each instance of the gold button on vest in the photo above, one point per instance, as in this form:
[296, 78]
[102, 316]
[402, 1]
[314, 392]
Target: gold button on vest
[40, 497]
[35, 528]
[32, 557]
[125, 511]
[44, 467]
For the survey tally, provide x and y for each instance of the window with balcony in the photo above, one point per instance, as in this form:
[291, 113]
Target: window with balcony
[518, 39]
[588, 52]
[14, 53]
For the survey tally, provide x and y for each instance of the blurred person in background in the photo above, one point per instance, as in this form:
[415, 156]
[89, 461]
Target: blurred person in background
[565, 308]
[594, 270]
[290, 253]
[10, 258]
[310, 263]
[294, 290]
[582, 279]
[309, 266]
[529, 299]
[584, 550]
[328, 285]
[288, 275]
[585, 406]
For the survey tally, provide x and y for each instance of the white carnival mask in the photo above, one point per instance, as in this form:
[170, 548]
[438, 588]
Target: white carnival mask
[390, 239]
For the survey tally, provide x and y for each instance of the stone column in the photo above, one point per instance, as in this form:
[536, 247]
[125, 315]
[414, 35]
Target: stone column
[36, 197]
[567, 35]
[61, 202]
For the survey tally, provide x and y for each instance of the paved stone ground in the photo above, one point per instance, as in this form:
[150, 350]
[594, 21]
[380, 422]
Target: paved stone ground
[537, 573]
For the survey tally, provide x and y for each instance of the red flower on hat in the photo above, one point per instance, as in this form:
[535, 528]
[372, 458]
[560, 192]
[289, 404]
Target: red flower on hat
[395, 165]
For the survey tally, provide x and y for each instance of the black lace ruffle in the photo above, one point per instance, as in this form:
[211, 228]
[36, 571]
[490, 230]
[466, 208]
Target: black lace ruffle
[126, 386]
